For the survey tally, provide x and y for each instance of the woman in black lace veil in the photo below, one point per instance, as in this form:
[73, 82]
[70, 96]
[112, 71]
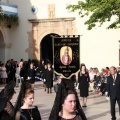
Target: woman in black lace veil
[6, 108]
[24, 106]
[66, 88]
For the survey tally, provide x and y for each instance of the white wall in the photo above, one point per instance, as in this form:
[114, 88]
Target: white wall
[99, 47]
[19, 35]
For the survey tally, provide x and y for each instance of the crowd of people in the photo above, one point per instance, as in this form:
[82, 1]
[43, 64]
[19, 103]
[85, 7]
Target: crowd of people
[28, 71]
[24, 72]
[106, 82]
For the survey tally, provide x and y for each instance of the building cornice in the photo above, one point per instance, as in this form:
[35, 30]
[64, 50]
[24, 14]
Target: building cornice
[51, 20]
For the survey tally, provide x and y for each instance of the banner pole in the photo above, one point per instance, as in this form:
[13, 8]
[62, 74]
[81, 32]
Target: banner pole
[53, 56]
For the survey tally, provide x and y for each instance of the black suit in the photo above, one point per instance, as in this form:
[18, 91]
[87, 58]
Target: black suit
[113, 89]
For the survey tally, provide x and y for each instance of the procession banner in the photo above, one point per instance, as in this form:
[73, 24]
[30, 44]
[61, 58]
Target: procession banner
[66, 55]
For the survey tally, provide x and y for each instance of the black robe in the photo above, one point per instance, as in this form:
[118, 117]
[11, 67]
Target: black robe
[23, 73]
[31, 74]
[49, 78]
[26, 114]
[84, 80]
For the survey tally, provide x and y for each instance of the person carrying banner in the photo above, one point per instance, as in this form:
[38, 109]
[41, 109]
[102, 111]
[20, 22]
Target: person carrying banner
[49, 78]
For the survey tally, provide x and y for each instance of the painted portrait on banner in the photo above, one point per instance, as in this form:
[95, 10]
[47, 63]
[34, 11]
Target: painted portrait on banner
[66, 55]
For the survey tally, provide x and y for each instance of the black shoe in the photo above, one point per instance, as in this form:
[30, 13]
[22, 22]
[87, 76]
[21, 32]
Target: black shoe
[113, 118]
[45, 90]
[84, 106]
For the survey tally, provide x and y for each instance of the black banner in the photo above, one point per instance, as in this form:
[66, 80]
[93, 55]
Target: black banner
[66, 55]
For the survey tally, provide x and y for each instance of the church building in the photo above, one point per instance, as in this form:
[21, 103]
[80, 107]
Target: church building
[40, 19]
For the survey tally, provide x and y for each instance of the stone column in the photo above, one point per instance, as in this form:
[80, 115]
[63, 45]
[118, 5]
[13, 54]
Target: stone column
[35, 41]
[29, 50]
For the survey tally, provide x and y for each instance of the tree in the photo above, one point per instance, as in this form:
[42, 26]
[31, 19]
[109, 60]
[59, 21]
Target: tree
[99, 11]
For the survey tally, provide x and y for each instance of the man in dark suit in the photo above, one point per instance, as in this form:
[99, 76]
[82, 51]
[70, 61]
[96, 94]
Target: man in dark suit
[113, 88]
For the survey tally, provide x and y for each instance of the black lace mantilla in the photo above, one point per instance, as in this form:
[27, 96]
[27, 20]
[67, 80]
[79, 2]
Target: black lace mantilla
[60, 96]
[8, 112]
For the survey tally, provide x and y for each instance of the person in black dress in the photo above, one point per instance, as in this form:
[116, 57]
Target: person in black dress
[23, 71]
[31, 75]
[9, 71]
[49, 78]
[66, 105]
[43, 76]
[83, 79]
[42, 69]
[12, 70]
[42, 63]
[27, 111]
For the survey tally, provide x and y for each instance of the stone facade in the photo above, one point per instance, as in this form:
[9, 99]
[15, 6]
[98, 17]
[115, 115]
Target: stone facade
[43, 27]
[98, 47]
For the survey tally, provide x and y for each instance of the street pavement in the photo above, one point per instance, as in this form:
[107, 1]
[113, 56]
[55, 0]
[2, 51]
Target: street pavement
[98, 108]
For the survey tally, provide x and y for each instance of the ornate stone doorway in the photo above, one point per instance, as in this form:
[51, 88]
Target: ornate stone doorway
[46, 47]
[42, 28]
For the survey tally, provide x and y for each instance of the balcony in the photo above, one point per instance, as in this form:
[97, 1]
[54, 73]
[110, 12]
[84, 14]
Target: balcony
[8, 15]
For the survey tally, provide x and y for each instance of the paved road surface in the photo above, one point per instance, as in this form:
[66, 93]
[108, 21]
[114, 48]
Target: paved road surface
[98, 107]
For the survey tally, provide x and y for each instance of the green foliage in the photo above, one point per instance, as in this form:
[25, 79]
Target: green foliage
[8, 20]
[99, 11]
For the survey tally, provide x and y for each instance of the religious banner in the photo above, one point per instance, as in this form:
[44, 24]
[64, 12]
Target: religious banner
[66, 55]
